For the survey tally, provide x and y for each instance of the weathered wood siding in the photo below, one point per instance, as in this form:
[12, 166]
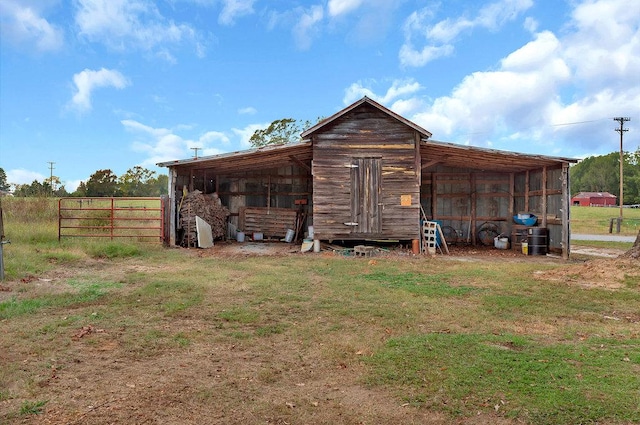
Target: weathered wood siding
[366, 133]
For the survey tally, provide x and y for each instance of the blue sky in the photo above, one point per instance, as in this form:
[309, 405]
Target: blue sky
[97, 84]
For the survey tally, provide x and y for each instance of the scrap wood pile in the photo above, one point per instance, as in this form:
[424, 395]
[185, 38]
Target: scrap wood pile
[207, 207]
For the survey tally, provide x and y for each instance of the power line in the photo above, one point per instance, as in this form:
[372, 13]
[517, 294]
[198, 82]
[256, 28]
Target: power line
[574, 123]
[545, 125]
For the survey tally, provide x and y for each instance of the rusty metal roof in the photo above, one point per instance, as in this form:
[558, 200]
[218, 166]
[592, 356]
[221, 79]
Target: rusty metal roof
[594, 195]
[251, 159]
[471, 157]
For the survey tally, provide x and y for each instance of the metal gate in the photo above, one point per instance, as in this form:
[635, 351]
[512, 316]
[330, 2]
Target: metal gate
[142, 219]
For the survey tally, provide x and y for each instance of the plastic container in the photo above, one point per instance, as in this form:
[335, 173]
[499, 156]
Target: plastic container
[525, 219]
[316, 245]
[525, 248]
[501, 243]
[258, 236]
[289, 237]
[310, 232]
[240, 236]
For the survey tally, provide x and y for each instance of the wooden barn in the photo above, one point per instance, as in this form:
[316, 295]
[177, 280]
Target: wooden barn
[594, 199]
[365, 172]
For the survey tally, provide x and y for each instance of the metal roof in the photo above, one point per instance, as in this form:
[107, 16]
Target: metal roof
[472, 157]
[595, 195]
[258, 158]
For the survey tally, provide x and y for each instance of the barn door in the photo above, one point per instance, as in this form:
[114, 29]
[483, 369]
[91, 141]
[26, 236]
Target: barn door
[366, 202]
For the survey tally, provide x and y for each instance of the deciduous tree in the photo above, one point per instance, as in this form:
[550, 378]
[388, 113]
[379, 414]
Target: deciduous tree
[102, 183]
[4, 186]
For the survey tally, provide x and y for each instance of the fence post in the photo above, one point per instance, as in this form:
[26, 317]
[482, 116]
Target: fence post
[618, 223]
[611, 225]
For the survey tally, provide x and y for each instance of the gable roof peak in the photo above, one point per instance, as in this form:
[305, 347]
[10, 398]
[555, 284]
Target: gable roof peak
[365, 99]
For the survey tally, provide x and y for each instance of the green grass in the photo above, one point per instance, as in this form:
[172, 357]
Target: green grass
[32, 407]
[523, 377]
[623, 246]
[15, 307]
[595, 220]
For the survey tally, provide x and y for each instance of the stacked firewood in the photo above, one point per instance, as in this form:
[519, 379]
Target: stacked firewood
[207, 207]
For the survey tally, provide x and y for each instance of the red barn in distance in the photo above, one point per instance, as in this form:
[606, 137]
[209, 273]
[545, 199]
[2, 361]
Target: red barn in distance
[594, 199]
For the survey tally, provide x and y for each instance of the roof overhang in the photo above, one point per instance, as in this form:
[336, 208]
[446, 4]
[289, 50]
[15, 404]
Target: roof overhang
[470, 157]
[252, 159]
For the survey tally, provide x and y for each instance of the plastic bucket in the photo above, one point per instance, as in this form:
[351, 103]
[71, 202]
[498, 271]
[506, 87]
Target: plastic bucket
[289, 237]
[240, 236]
[525, 248]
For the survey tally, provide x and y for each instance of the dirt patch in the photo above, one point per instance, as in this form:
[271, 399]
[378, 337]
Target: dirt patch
[596, 273]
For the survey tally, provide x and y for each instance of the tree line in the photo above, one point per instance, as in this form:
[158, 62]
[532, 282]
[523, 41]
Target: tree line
[137, 181]
[602, 174]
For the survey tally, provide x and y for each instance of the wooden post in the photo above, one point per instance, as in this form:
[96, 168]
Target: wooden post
[472, 221]
[172, 205]
[434, 195]
[512, 194]
[566, 203]
[526, 191]
[544, 197]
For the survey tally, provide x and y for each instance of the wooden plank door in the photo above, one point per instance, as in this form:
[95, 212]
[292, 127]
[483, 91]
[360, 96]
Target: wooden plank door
[366, 195]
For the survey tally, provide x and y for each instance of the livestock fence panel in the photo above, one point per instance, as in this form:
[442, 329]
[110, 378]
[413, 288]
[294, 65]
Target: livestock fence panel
[141, 219]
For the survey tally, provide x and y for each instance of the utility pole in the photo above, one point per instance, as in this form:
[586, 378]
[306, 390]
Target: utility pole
[196, 152]
[51, 175]
[621, 130]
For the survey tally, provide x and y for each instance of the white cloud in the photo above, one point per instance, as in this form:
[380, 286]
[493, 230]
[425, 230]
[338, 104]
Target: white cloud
[409, 56]
[22, 176]
[531, 25]
[398, 89]
[163, 144]
[307, 26]
[249, 110]
[245, 133]
[439, 38]
[88, 80]
[605, 45]
[583, 77]
[340, 7]
[211, 137]
[534, 55]
[71, 185]
[233, 9]
[23, 24]
[132, 24]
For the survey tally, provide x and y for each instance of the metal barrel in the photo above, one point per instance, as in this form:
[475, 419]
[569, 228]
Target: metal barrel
[538, 241]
